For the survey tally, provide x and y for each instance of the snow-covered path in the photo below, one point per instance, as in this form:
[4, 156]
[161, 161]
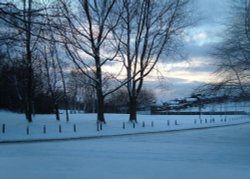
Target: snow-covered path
[219, 153]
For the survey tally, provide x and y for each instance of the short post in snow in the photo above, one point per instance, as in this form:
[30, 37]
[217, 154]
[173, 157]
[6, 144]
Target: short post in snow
[175, 122]
[201, 121]
[44, 129]
[195, 121]
[152, 123]
[27, 130]
[205, 120]
[60, 128]
[74, 127]
[3, 128]
[143, 124]
[168, 123]
[123, 125]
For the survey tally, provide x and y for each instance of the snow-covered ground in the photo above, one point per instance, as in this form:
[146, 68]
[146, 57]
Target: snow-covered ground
[222, 153]
[13, 127]
[218, 153]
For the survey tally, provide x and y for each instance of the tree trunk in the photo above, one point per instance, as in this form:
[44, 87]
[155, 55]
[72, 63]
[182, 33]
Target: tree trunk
[28, 111]
[29, 77]
[99, 88]
[100, 106]
[132, 108]
[29, 90]
[57, 112]
[66, 110]
[65, 99]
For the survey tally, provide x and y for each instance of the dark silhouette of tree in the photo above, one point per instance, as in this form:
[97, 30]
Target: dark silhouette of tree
[24, 21]
[86, 34]
[148, 31]
[233, 53]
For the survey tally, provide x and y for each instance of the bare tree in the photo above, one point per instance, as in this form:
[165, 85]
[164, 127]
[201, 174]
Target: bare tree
[52, 75]
[86, 34]
[57, 49]
[149, 30]
[233, 53]
[24, 21]
[30, 38]
[52, 56]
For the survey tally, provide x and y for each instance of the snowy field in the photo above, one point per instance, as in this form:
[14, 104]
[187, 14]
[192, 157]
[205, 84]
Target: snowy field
[217, 153]
[13, 126]
[158, 147]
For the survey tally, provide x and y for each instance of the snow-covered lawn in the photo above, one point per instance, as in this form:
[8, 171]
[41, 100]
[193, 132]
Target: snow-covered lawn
[13, 127]
[218, 153]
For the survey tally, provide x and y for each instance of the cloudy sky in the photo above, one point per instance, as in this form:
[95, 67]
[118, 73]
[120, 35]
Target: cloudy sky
[181, 77]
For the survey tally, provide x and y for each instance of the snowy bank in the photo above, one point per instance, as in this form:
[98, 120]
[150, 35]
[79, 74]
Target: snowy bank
[14, 128]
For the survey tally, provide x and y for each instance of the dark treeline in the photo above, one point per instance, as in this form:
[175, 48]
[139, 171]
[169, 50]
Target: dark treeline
[80, 97]
[12, 89]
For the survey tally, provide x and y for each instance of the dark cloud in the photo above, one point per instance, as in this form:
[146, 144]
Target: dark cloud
[194, 50]
[212, 12]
